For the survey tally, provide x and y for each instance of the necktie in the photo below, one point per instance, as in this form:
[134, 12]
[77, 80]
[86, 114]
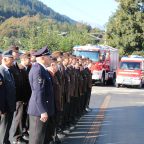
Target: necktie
[11, 75]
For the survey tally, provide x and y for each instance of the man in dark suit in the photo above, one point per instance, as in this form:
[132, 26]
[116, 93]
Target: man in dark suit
[10, 105]
[67, 87]
[2, 91]
[16, 128]
[2, 96]
[25, 66]
[41, 104]
[55, 121]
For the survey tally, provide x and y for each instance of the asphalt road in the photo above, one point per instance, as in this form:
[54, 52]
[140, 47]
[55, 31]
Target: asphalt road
[117, 117]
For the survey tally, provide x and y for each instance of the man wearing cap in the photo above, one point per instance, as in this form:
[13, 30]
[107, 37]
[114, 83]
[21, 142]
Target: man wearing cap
[16, 128]
[2, 91]
[41, 104]
[10, 104]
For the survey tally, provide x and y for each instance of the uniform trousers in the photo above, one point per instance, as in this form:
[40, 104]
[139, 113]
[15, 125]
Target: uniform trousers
[72, 110]
[5, 125]
[77, 107]
[88, 97]
[50, 130]
[37, 130]
[66, 114]
[58, 121]
[25, 118]
[84, 100]
[16, 128]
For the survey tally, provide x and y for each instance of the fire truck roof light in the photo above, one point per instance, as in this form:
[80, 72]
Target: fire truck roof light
[132, 58]
[90, 47]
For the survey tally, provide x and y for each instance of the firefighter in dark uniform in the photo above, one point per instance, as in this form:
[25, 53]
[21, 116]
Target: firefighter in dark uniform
[80, 82]
[76, 94]
[41, 104]
[2, 91]
[2, 95]
[10, 97]
[82, 89]
[16, 128]
[54, 123]
[60, 76]
[25, 66]
[67, 84]
[72, 91]
[89, 84]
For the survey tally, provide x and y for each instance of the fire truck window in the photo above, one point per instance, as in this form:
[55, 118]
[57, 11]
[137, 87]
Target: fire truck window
[137, 66]
[124, 66]
[130, 65]
[102, 57]
[92, 55]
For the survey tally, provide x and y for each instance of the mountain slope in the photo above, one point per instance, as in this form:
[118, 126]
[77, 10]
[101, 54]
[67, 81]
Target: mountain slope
[20, 8]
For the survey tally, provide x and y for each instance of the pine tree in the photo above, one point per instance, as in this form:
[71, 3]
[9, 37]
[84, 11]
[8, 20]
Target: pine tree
[125, 29]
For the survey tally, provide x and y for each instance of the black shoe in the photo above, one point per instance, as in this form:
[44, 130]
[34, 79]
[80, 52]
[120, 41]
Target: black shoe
[8, 142]
[57, 140]
[61, 135]
[26, 136]
[20, 140]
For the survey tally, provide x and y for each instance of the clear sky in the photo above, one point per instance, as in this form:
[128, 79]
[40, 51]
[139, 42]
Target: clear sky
[93, 12]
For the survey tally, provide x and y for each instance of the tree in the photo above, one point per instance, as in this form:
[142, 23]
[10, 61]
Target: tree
[125, 29]
[34, 32]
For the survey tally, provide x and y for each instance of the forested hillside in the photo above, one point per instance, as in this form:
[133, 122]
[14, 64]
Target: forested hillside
[33, 32]
[20, 8]
[31, 25]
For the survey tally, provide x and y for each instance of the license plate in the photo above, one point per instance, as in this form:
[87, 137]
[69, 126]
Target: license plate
[127, 81]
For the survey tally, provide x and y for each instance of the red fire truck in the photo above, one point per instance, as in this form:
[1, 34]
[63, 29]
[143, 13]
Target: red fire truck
[105, 61]
[131, 71]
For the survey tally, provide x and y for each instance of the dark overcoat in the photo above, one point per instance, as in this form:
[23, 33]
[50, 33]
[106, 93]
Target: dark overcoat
[18, 77]
[42, 97]
[2, 95]
[10, 90]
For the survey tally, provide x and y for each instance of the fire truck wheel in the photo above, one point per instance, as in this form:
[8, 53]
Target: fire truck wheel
[103, 79]
[117, 85]
[114, 79]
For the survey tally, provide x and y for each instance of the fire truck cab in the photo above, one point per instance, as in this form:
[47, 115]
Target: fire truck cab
[131, 71]
[105, 61]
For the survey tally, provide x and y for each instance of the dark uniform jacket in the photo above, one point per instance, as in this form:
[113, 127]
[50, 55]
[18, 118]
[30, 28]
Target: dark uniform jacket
[71, 72]
[10, 89]
[2, 95]
[67, 85]
[18, 82]
[42, 97]
[60, 76]
[81, 83]
[89, 78]
[57, 93]
[85, 78]
[77, 83]
[26, 84]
